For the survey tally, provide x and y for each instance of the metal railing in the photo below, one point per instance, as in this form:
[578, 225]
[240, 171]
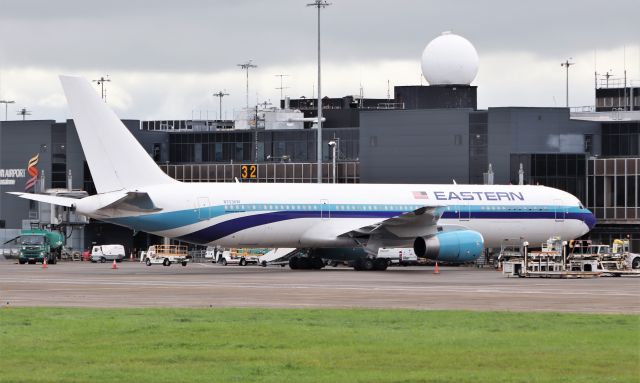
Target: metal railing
[277, 172]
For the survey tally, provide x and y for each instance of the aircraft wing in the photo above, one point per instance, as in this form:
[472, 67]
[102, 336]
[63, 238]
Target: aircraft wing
[419, 222]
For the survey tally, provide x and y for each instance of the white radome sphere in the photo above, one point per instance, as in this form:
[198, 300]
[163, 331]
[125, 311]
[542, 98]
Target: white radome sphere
[449, 60]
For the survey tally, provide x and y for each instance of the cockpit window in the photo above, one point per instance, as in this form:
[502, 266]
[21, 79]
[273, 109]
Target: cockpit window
[581, 205]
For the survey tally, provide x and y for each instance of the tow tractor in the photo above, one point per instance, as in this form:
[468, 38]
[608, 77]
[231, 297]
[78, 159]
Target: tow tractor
[620, 257]
[615, 259]
[166, 255]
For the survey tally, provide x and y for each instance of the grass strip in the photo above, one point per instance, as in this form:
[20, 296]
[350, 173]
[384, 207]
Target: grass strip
[315, 345]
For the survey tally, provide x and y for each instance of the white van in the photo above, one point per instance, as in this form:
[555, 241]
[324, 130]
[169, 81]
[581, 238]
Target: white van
[398, 256]
[211, 254]
[105, 253]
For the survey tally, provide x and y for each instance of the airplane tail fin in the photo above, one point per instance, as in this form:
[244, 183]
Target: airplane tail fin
[116, 160]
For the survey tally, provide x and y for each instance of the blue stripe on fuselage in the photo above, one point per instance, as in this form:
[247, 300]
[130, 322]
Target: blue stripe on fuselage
[234, 225]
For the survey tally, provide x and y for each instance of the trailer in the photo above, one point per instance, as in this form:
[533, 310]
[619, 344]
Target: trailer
[167, 255]
[518, 261]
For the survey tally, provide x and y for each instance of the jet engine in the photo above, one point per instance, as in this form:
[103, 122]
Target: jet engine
[452, 246]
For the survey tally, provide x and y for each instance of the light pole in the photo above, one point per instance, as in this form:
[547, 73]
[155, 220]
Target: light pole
[6, 103]
[320, 4]
[567, 64]
[220, 94]
[246, 66]
[332, 145]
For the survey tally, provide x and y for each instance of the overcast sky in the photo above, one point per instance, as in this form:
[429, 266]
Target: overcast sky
[166, 58]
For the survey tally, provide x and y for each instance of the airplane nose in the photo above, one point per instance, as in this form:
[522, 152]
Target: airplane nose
[589, 219]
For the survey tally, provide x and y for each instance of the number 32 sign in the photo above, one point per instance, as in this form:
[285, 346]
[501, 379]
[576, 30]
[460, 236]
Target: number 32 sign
[249, 172]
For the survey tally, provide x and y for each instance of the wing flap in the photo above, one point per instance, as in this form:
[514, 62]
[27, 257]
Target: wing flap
[419, 222]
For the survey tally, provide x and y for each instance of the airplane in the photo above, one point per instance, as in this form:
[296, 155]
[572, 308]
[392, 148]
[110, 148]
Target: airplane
[441, 222]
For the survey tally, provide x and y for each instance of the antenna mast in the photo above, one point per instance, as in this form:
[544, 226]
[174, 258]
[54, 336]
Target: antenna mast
[101, 81]
[281, 88]
[246, 66]
[24, 113]
[388, 91]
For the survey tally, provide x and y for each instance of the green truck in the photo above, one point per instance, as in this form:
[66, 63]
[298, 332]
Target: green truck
[38, 244]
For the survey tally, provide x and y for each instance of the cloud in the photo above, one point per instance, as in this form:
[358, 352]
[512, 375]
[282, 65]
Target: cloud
[206, 36]
[167, 60]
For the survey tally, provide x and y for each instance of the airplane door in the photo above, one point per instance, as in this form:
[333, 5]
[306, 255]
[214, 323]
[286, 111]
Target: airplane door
[325, 212]
[464, 213]
[560, 210]
[204, 208]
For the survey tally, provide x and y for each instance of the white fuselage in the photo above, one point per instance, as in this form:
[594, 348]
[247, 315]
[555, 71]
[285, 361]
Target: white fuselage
[315, 215]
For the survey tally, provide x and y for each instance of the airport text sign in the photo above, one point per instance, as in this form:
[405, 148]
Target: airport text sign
[9, 176]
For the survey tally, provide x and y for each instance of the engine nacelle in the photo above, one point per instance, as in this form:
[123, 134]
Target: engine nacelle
[453, 246]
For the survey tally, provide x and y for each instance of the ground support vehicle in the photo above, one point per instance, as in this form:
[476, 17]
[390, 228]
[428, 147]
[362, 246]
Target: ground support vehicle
[166, 255]
[550, 261]
[613, 260]
[211, 254]
[104, 253]
[620, 258]
[68, 254]
[579, 259]
[36, 245]
[277, 257]
[398, 256]
[241, 257]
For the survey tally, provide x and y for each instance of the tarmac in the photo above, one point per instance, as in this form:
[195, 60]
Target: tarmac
[83, 284]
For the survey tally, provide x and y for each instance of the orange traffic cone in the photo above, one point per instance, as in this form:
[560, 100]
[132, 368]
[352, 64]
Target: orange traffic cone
[114, 266]
[436, 270]
[44, 263]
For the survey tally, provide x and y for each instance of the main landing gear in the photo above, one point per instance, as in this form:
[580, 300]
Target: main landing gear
[370, 264]
[305, 263]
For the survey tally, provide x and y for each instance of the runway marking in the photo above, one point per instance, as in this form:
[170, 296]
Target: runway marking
[277, 286]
